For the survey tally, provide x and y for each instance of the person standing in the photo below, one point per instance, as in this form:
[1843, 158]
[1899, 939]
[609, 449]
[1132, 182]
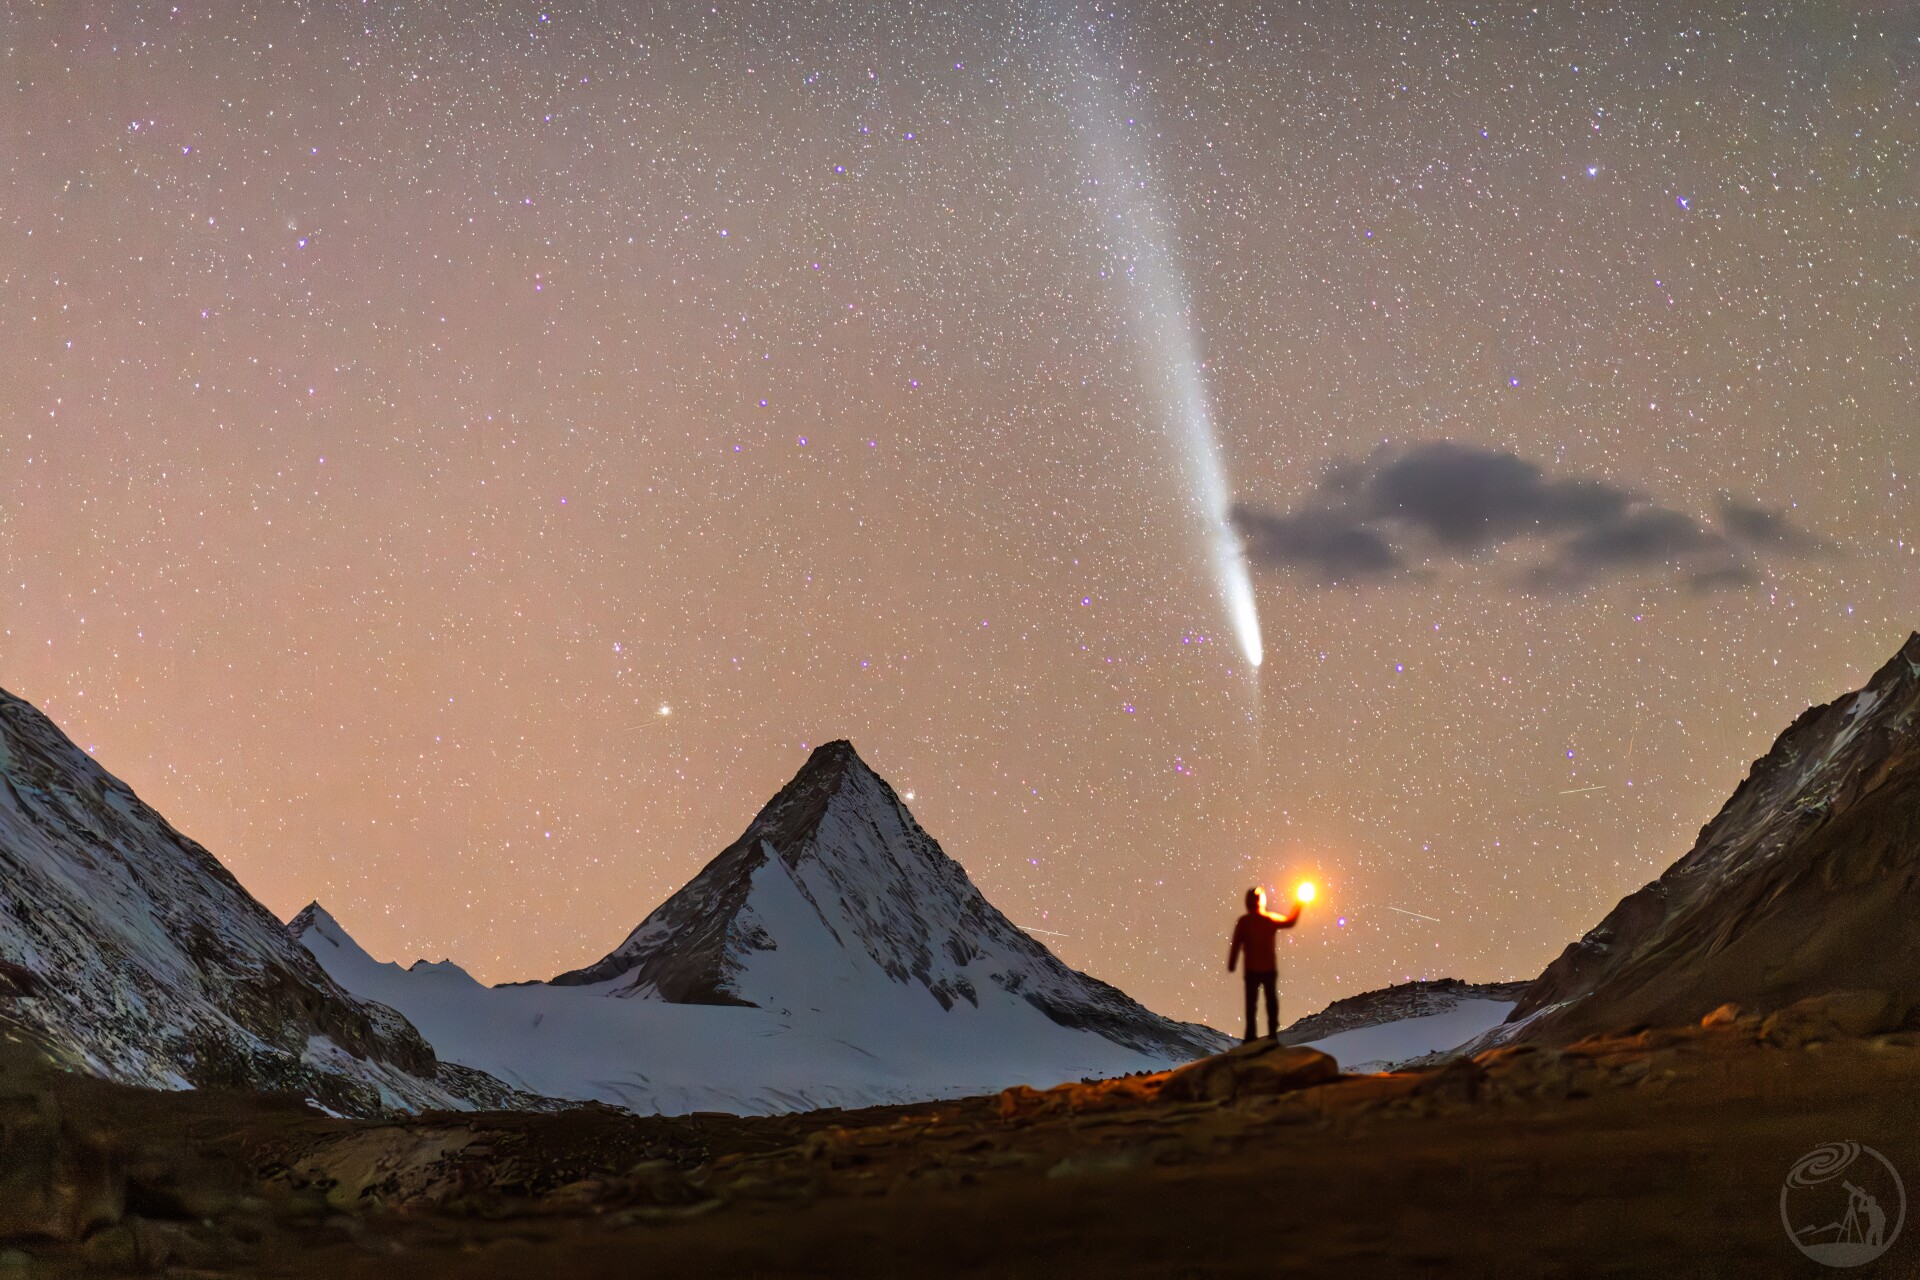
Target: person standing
[1253, 935]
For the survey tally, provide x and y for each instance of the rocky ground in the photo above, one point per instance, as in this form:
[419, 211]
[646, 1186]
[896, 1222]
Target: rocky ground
[1657, 1153]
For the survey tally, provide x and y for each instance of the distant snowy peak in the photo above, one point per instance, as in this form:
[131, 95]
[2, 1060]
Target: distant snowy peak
[317, 921]
[324, 936]
[834, 882]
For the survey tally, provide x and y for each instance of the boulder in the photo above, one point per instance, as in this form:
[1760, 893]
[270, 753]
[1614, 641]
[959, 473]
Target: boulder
[1258, 1068]
[1836, 1014]
[1024, 1102]
[56, 1182]
[1722, 1016]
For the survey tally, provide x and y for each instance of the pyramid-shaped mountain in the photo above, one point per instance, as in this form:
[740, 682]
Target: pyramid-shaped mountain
[130, 952]
[832, 956]
[835, 871]
[1807, 882]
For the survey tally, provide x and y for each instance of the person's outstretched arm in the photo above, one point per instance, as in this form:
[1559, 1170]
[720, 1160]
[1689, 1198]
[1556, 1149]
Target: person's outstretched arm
[1287, 920]
[1233, 952]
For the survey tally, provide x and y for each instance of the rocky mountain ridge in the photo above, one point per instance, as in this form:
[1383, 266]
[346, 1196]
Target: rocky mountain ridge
[1806, 882]
[135, 955]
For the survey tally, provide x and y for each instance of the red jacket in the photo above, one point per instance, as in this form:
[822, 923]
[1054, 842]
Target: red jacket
[1254, 934]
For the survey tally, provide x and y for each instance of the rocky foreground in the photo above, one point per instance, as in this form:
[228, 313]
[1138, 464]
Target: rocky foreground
[1656, 1153]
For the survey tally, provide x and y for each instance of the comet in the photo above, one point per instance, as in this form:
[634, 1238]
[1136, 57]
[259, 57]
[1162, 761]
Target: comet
[1142, 259]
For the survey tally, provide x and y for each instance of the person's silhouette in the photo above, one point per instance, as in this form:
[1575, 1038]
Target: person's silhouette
[1253, 934]
[1874, 1231]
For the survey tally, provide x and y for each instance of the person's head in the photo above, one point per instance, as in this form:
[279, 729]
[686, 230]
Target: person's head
[1256, 899]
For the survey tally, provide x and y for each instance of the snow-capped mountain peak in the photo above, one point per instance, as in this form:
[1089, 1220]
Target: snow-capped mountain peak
[317, 921]
[834, 883]
[333, 945]
[833, 955]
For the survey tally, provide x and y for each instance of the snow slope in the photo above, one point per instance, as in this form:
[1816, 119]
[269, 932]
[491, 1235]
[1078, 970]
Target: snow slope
[833, 955]
[1386, 1045]
[1400, 1003]
[135, 955]
[842, 1036]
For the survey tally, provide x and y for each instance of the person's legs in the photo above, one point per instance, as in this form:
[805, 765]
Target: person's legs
[1253, 987]
[1271, 983]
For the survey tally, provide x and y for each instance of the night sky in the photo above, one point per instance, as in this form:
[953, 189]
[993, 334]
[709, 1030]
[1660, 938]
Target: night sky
[456, 459]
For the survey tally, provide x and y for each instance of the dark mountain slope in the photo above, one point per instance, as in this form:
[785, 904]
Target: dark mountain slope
[138, 957]
[1806, 882]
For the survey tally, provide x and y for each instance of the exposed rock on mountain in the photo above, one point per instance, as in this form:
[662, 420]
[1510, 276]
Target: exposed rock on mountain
[1806, 883]
[135, 955]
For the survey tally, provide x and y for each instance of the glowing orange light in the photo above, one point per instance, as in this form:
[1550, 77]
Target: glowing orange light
[1305, 892]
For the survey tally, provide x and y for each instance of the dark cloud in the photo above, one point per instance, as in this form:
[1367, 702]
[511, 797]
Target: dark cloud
[1468, 499]
[1328, 546]
[1765, 527]
[1731, 578]
[1372, 519]
[1644, 538]
[1650, 536]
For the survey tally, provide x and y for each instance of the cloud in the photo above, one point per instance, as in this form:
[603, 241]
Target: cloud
[1328, 545]
[1468, 499]
[1731, 578]
[1766, 527]
[1645, 538]
[1651, 536]
[1375, 519]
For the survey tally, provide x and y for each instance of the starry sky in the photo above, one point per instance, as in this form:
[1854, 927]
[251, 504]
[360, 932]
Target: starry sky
[455, 459]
